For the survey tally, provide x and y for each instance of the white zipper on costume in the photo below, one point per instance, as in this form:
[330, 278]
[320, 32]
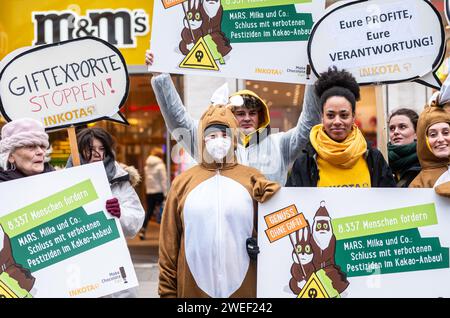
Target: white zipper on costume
[211, 223]
[219, 229]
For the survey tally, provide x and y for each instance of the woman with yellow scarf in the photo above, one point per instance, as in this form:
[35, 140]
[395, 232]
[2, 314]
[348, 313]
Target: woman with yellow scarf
[337, 154]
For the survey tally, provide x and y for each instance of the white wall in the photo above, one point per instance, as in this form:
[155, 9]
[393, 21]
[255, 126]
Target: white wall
[408, 95]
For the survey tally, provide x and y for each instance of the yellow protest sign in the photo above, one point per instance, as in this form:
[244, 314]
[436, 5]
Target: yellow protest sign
[27, 23]
[289, 226]
[283, 222]
[171, 3]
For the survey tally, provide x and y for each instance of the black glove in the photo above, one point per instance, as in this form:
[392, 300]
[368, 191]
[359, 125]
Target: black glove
[252, 248]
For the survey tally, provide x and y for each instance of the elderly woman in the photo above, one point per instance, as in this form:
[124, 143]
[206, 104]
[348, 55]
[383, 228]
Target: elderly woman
[22, 154]
[22, 149]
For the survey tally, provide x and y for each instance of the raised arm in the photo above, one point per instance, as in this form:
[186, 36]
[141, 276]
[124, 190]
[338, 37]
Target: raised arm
[180, 124]
[294, 140]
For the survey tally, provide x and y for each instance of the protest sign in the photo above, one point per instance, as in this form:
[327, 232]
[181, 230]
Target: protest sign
[238, 39]
[380, 41]
[354, 243]
[57, 241]
[64, 84]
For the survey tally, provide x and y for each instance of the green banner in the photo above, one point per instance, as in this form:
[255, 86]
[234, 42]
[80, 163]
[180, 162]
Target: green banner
[245, 4]
[44, 210]
[395, 252]
[268, 24]
[61, 238]
[384, 221]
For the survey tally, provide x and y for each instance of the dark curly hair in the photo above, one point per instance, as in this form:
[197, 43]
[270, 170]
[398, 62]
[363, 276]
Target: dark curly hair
[337, 83]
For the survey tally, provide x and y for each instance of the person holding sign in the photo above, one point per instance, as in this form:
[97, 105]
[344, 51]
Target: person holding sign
[22, 153]
[95, 145]
[433, 143]
[402, 147]
[272, 154]
[209, 214]
[337, 154]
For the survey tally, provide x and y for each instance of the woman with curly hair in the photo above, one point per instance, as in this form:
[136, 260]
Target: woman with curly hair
[337, 154]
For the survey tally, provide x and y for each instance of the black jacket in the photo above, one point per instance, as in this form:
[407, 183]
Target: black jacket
[8, 175]
[405, 177]
[305, 172]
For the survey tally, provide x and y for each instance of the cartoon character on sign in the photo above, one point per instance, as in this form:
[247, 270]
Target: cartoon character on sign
[203, 20]
[302, 255]
[324, 246]
[192, 26]
[12, 273]
[212, 12]
[324, 241]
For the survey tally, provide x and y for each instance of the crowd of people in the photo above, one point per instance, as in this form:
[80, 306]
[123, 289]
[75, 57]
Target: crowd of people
[208, 247]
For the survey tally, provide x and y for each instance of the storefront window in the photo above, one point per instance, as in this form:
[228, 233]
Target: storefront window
[284, 102]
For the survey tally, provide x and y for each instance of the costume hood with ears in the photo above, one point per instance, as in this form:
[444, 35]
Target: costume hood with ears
[437, 111]
[264, 116]
[222, 115]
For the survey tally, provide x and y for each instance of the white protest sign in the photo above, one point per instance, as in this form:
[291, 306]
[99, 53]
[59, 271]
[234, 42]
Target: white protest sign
[336, 242]
[58, 241]
[380, 41]
[259, 40]
[64, 84]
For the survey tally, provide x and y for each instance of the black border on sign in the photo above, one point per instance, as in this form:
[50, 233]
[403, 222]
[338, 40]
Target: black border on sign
[41, 47]
[438, 61]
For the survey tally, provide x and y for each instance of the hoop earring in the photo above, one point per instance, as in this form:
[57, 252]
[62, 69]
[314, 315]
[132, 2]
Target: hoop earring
[12, 167]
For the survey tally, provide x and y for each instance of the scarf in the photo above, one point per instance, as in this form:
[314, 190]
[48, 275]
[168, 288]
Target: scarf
[403, 157]
[343, 154]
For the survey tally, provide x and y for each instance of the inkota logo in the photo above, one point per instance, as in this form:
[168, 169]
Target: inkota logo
[118, 27]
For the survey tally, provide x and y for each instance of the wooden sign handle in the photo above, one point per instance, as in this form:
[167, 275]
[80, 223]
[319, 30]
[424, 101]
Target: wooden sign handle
[74, 146]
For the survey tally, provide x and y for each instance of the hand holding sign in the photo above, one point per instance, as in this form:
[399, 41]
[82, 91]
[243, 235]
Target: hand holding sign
[380, 41]
[65, 84]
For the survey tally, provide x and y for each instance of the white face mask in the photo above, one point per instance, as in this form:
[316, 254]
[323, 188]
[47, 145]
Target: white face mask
[218, 147]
